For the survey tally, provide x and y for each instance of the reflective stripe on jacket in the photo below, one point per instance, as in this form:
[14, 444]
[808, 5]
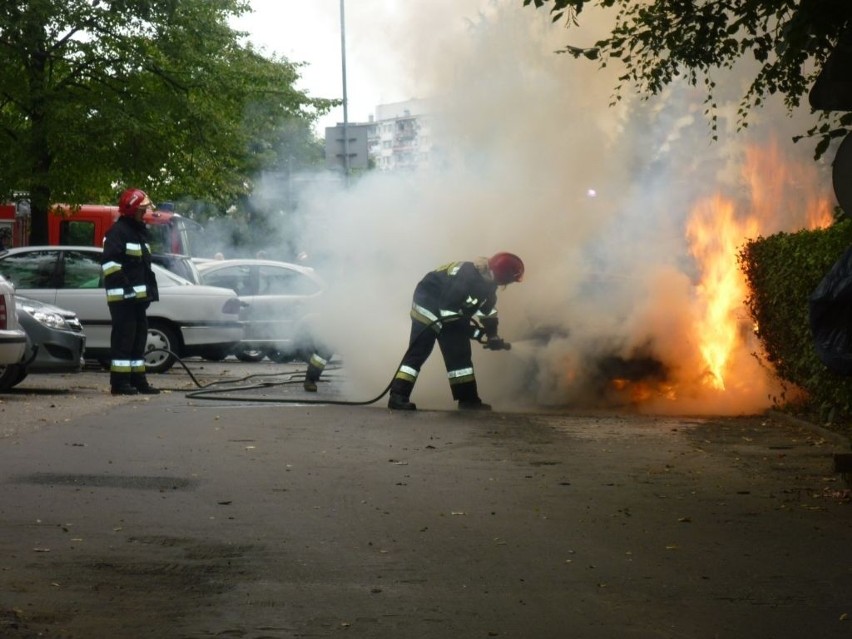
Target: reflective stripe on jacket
[126, 263]
[454, 289]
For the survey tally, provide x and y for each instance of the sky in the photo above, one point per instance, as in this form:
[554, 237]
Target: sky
[609, 206]
[309, 31]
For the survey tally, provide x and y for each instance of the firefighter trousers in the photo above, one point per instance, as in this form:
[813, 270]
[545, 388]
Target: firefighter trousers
[454, 341]
[319, 360]
[127, 343]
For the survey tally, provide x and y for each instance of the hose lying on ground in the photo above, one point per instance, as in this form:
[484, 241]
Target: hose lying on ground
[207, 392]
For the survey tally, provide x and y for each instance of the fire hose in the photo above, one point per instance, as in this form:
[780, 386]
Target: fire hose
[208, 392]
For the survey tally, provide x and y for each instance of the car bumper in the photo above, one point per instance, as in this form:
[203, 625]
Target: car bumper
[206, 336]
[55, 351]
[13, 345]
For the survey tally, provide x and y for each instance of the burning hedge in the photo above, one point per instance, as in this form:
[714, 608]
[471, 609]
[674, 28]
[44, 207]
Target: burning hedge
[783, 271]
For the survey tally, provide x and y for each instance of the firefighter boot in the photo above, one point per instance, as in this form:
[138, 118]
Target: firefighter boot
[140, 383]
[473, 404]
[400, 402]
[123, 389]
[119, 384]
[400, 391]
[311, 378]
[468, 397]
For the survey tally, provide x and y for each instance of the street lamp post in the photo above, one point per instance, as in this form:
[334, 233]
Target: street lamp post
[345, 99]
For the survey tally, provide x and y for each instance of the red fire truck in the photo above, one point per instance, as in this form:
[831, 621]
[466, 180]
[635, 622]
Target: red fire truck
[85, 225]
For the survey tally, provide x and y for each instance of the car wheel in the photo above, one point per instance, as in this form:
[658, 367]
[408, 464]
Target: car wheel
[11, 375]
[161, 336]
[304, 353]
[280, 357]
[249, 354]
[300, 354]
[215, 354]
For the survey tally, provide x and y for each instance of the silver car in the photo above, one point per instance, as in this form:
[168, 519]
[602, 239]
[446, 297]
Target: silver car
[278, 299]
[187, 320]
[13, 339]
[55, 342]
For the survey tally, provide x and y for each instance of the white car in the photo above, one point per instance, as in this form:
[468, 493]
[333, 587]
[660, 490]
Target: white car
[187, 320]
[13, 339]
[278, 300]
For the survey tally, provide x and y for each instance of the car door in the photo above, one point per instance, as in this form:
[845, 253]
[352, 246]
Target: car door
[242, 279]
[69, 279]
[282, 302]
[81, 290]
[275, 297]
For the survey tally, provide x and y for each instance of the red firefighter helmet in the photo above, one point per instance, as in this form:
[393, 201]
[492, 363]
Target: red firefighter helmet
[132, 200]
[506, 268]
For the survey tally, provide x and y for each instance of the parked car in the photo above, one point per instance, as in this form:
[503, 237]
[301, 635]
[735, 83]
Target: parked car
[182, 265]
[13, 339]
[187, 320]
[277, 302]
[55, 342]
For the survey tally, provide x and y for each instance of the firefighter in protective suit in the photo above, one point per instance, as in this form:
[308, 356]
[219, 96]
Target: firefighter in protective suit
[316, 365]
[445, 301]
[130, 288]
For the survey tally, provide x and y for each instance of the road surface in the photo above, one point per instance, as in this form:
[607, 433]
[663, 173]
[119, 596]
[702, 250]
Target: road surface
[168, 517]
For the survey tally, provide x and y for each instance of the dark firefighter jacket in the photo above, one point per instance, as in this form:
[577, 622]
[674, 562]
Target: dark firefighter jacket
[126, 263]
[830, 314]
[458, 288]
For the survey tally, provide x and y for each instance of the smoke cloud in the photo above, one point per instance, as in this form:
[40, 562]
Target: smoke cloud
[596, 199]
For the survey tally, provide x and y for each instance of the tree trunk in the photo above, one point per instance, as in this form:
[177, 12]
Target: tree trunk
[40, 154]
[40, 190]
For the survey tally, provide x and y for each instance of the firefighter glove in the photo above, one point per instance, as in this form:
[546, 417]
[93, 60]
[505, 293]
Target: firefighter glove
[489, 325]
[497, 344]
[129, 294]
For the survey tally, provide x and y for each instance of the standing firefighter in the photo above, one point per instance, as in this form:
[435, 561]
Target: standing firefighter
[130, 288]
[445, 302]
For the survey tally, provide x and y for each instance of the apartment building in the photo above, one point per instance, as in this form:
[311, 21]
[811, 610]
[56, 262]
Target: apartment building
[400, 136]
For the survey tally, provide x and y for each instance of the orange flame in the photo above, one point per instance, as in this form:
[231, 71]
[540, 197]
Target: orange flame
[706, 339]
[783, 195]
[819, 215]
[638, 392]
[715, 236]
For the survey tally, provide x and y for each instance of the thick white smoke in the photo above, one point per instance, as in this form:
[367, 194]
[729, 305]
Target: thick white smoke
[534, 161]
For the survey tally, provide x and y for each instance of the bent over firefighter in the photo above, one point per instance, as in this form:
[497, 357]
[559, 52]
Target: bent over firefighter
[445, 301]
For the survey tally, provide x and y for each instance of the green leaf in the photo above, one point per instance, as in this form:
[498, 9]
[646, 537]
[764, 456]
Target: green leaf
[155, 93]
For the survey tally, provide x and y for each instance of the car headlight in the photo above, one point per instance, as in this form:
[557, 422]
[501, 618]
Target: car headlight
[52, 320]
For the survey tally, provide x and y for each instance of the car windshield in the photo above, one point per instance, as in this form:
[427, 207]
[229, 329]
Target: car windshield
[165, 278]
[283, 281]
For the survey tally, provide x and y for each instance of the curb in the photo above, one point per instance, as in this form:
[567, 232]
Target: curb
[829, 435]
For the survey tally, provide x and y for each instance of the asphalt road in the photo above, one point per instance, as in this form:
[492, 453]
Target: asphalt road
[173, 517]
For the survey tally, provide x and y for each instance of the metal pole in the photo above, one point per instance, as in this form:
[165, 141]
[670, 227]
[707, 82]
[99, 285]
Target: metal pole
[345, 99]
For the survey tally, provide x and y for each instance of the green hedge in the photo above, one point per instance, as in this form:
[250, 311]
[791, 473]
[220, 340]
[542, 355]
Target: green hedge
[782, 271]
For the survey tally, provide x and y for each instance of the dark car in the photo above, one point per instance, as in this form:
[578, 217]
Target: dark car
[55, 342]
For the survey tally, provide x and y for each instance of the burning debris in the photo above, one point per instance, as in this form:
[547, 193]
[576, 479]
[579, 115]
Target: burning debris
[634, 380]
